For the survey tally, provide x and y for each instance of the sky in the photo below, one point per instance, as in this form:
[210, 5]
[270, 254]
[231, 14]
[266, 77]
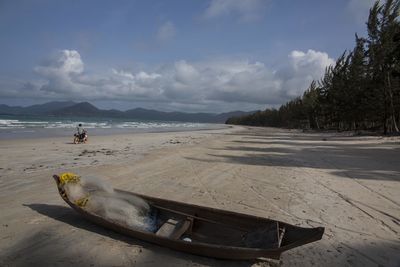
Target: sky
[176, 55]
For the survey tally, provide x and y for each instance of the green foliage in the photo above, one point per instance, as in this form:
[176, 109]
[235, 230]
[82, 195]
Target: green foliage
[360, 92]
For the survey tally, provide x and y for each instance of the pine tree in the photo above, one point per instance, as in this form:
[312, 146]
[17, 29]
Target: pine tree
[311, 105]
[357, 84]
[382, 27]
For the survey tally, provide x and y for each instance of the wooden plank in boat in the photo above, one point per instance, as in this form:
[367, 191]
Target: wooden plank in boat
[174, 229]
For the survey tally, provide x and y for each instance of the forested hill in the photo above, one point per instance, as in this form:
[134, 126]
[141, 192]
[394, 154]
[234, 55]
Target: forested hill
[360, 92]
[85, 109]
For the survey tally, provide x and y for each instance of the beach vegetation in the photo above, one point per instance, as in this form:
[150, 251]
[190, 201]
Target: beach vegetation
[361, 91]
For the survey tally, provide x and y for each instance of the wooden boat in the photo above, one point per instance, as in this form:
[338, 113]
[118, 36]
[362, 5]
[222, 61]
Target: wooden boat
[210, 232]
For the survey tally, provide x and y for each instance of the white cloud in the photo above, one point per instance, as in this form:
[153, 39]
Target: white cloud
[245, 10]
[200, 86]
[166, 32]
[61, 71]
[185, 73]
[359, 10]
[66, 61]
[301, 70]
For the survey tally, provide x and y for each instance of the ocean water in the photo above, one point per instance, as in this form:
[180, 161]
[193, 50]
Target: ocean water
[44, 126]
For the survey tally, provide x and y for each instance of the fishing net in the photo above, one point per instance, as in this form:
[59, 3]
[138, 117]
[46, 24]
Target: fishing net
[97, 196]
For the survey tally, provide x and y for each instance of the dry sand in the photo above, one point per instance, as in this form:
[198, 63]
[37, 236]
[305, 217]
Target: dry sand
[350, 185]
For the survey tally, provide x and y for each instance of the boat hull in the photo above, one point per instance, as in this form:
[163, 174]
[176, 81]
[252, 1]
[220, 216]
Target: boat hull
[294, 236]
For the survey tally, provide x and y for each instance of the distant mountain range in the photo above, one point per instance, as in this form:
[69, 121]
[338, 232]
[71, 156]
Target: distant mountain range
[85, 109]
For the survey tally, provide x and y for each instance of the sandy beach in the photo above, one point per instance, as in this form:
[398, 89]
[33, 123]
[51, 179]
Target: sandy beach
[349, 185]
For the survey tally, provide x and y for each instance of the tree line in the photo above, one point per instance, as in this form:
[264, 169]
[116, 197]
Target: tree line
[361, 91]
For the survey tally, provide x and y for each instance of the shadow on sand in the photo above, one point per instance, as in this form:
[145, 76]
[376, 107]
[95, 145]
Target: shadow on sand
[344, 156]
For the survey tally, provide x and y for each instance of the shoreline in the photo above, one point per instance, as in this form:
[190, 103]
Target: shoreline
[349, 185]
[39, 133]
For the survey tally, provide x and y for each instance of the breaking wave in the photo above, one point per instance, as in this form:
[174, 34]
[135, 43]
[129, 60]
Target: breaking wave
[71, 124]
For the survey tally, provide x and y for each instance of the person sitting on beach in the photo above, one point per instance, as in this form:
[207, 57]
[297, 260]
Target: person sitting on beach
[82, 133]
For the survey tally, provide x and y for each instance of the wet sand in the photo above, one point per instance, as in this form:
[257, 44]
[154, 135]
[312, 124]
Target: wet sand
[350, 185]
